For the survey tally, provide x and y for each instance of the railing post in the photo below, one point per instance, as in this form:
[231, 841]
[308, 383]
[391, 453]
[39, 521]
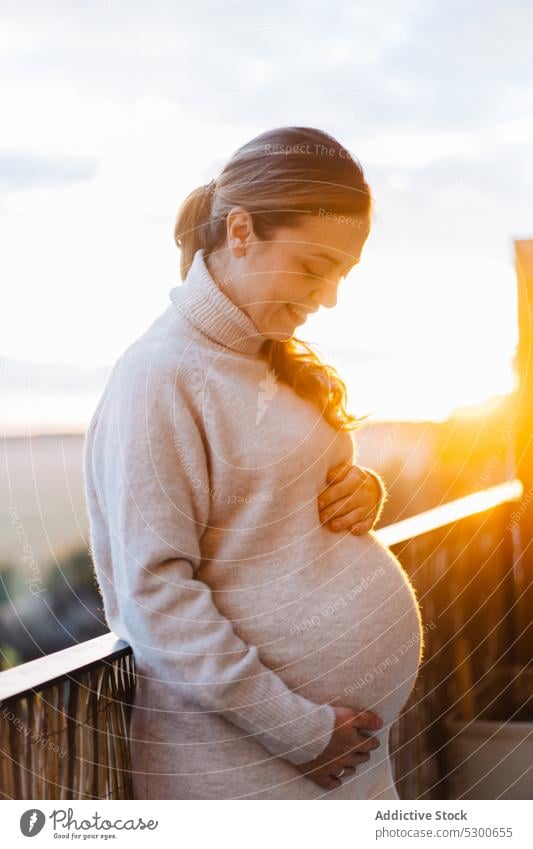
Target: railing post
[523, 521]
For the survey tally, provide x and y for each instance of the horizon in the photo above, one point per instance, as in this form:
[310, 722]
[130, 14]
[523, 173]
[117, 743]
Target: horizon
[438, 121]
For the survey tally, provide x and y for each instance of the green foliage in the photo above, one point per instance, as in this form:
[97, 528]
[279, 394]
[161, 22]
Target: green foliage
[9, 657]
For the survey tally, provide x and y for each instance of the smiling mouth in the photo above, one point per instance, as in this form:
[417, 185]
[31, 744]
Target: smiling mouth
[298, 313]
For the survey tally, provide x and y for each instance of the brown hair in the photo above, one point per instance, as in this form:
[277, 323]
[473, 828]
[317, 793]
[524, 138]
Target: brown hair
[280, 177]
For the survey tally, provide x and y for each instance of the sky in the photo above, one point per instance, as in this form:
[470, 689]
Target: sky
[113, 111]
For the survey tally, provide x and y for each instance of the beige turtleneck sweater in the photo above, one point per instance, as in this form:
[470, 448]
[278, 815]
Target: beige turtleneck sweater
[202, 474]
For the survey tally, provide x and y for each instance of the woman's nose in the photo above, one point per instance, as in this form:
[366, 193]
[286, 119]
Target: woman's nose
[327, 296]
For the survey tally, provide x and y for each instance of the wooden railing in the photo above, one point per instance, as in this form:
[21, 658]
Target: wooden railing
[64, 718]
[64, 722]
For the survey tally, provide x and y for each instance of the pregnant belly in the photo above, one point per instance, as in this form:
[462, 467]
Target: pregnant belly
[337, 619]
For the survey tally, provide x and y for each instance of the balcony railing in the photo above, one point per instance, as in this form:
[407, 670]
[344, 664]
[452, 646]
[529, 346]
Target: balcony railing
[64, 723]
[64, 718]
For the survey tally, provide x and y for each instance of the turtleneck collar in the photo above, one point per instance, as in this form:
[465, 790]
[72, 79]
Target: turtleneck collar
[204, 304]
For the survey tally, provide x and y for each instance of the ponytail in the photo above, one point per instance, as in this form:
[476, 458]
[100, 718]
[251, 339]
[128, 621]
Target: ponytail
[192, 222]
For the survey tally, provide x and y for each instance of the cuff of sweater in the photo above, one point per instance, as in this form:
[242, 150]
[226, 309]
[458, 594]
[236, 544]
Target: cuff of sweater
[316, 728]
[285, 723]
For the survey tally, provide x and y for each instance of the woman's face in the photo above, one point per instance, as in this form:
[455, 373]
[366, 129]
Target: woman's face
[280, 281]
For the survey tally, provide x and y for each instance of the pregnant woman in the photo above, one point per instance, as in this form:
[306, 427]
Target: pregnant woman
[267, 646]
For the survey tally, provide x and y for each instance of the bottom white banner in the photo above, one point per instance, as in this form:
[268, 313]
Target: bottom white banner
[235, 824]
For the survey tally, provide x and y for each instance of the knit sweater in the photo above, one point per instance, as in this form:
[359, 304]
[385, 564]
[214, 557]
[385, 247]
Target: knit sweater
[248, 618]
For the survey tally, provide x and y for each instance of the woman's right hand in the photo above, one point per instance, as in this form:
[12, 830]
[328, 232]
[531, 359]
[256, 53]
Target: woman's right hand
[346, 749]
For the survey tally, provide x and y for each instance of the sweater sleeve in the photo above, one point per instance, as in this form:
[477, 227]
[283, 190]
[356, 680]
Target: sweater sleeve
[157, 504]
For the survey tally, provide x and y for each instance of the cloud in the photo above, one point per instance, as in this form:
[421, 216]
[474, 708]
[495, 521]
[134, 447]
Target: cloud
[19, 171]
[112, 114]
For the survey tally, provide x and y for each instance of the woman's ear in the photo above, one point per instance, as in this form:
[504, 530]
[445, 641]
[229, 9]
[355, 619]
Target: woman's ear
[239, 229]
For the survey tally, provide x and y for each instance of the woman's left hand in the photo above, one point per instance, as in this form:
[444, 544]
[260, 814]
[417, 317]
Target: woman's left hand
[352, 499]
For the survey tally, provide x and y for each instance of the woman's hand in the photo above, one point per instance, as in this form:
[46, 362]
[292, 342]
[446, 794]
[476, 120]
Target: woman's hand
[347, 748]
[353, 499]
